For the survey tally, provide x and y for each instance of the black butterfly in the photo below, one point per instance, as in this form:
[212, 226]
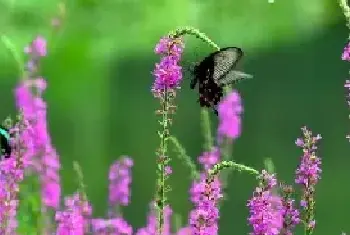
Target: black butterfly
[214, 73]
[5, 142]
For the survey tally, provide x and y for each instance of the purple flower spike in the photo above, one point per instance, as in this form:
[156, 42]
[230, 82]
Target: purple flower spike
[307, 175]
[74, 219]
[229, 111]
[37, 48]
[205, 195]
[168, 73]
[309, 169]
[209, 159]
[150, 228]
[115, 226]
[266, 217]
[291, 216]
[40, 153]
[119, 182]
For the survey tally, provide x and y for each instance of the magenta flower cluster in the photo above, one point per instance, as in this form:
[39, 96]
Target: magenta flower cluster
[308, 174]
[309, 170]
[168, 72]
[111, 226]
[265, 207]
[73, 219]
[230, 110]
[205, 196]
[346, 53]
[119, 182]
[40, 153]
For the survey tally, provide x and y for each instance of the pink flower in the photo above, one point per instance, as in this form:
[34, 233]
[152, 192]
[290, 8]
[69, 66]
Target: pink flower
[73, 220]
[111, 226]
[168, 73]
[37, 48]
[346, 53]
[230, 110]
[40, 153]
[151, 226]
[119, 182]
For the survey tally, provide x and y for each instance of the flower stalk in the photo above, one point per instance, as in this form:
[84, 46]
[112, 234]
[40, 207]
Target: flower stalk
[168, 76]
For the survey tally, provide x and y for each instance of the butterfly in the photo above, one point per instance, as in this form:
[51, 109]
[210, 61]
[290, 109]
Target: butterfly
[5, 142]
[216, 71]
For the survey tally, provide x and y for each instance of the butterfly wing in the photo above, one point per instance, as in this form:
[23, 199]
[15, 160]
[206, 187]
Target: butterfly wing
[210, 71]
[225, 60]
[233, 77]
[5, 142]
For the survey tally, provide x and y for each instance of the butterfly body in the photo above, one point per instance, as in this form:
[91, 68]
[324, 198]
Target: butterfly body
[214, 72]
[5, 142]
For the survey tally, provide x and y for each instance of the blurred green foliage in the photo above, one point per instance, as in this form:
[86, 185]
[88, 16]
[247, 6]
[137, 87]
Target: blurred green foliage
[100, 107]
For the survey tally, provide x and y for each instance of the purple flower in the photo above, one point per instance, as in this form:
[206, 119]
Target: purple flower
[169, 45]
[209, 159]
[168, 170]
[168, 73]
[308, 174]
[184, 231]
[229, 111]
[74, 219]
[151, 227]
[265, 208]
[205, 195]
[265, 213]
[37, 48]
[346, 53]
[115, 226]
[11, 173]
[309, 169]
[291, 216]
[119, 182]
[40, 153]
[204, 221]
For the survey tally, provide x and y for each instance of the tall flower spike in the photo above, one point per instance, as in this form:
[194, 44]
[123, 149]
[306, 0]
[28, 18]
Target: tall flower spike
[10, 176]
[73, 220]
[119, 183]
[29, 100]
[111, 226]
[205, 195]
[230, 110]
[168, 75]
[307, 175]
[151, 227]
[168, 72]
[265, 208]
[290, 214]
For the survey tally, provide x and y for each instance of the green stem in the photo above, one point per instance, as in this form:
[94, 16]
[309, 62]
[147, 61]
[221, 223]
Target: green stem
[188, 30]
[346, 11]
[14, 52]
[185, 158]
[206, 130]
[81, 185]
[217, 168]
[177, 221]
[161, 197]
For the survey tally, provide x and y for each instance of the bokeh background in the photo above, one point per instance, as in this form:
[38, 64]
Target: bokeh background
[100, 106]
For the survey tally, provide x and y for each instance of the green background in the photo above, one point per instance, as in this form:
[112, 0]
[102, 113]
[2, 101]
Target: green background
[100, 106]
